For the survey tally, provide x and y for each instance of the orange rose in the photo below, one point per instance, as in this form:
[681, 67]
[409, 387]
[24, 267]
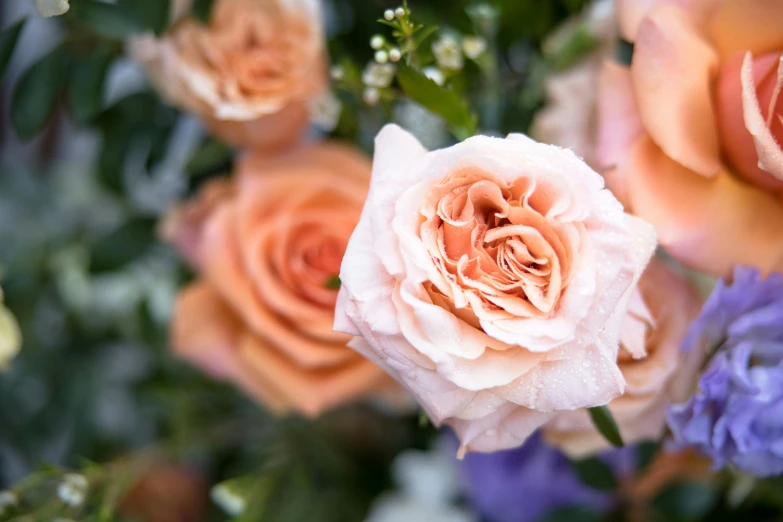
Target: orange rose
[695, 128]
[250, 74]
[268, 248]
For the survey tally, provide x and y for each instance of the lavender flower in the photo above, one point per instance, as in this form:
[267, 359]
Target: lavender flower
[523, 484]
[736, 416]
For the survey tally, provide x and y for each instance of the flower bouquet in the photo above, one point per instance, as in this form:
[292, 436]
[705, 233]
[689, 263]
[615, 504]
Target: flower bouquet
[339, 260]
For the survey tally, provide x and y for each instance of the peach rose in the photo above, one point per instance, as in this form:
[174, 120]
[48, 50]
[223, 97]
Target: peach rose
[250, 74]
[268, 248]
[695, 126]
[490, 279]
[656, 372]
[569, 118]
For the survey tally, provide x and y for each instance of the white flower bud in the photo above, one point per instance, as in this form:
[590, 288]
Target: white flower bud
[49, 8]
[399, 12]
[381, 56]
[371, 95]
[395, 55]
[474, 46]
[325, 111]
[378, 75]
[434, 74]
[448, 53]
[388, 15]
[8, 499]
[73, 489]
[377, 41]
[233, 504]
[337, 72]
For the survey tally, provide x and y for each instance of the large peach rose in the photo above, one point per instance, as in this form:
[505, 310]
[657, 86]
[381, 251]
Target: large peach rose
[250, 73]
[656, 372]
[490, 278]
[694, 128]
[268, 247]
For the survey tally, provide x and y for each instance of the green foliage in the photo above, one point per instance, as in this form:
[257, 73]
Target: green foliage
[595, 473]
[111, 21]
[685, 501]
[123, 245]
[571, 514]
[8, 39]
[86, 84]
[439, 100]
[604, 422]
[35, 94]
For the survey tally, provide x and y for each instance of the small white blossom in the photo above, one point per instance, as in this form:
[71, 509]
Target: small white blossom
[325, 111]
[395, 55]
[73, 489]
[474, 46]
[371, 95]
[434, 74]
[228, 500]
[399, 12]
[8, 499]
[381, 56]
[377, 41]
[337, 72]
[448, 53]
[10, 335]
[49, 8]
[378, 75]
[388, 15]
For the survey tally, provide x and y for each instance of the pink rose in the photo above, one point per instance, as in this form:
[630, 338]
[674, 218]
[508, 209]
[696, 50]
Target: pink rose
[250, 73]
[693, 129]
[267, 245]
[490, 278]
[656, 372]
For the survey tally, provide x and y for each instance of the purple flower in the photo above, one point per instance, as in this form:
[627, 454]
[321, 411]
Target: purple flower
[736, 416]
[523, 484]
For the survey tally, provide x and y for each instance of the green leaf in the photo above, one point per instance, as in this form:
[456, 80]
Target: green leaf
[333, 283]
[645, 454]
[202, 10]
[685, 501]
[571, 514]
[35, 94]
[8, 39]
[112, 21]
[86, 82]
[595, 473]
[153, 15]
[437, 99]
[604, 422]
[573, 49]
[118, 248]
[211, 156]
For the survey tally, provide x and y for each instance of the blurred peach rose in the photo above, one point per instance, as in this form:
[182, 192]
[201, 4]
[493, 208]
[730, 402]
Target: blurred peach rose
[490, 278]
[694, 128]
[656, 372]
[250, 73]
[268, 246]
[569, 118]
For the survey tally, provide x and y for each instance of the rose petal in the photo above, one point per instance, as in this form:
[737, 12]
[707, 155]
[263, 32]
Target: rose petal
[223, 267]
[672, 70]
[310, 391]
[769, 152]
[746, 25]
[619, 125]
[711, 225]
